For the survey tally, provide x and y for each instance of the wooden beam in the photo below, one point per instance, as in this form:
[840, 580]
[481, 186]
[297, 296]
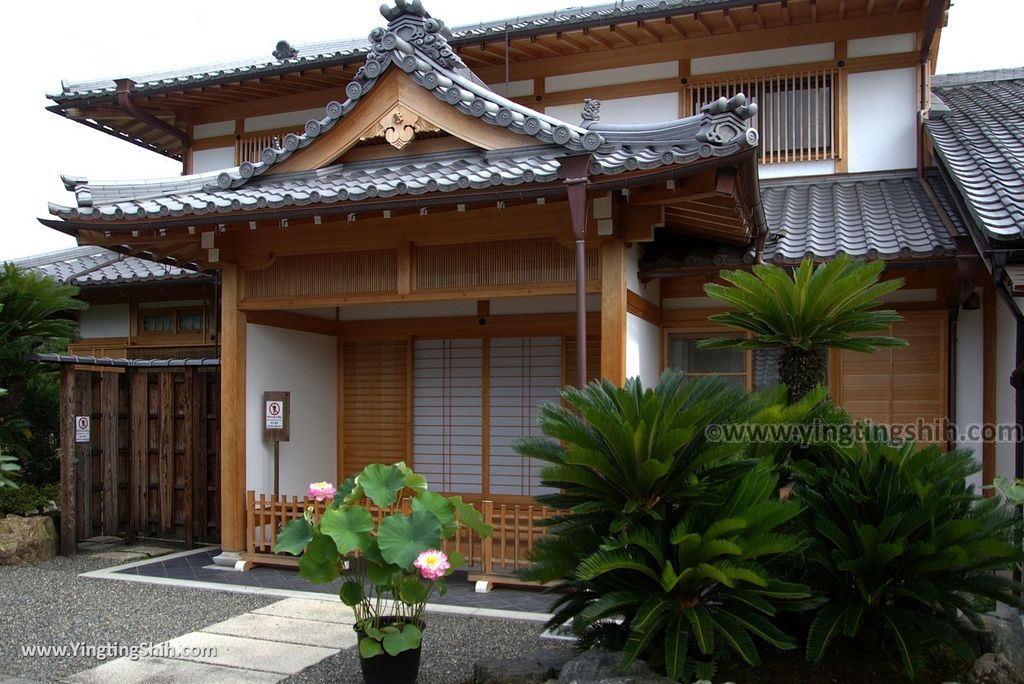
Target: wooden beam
[232, 402]
[290, 320]
[589, 34]
[699, 185]
[639, 222]
[642, 308]
[613, 311]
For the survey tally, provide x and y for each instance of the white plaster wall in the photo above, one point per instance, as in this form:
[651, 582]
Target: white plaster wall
[306, 365]
[969, 386]
[105, 320]
[212, 130]
[800, 54]
[881, 45]
[513, 88]
[650, 291]
[822, 167]
[643, 350]
[299, 118]
[606, 77]
[640, 109]
[1006, 355]
[882, 119]
[213, 160]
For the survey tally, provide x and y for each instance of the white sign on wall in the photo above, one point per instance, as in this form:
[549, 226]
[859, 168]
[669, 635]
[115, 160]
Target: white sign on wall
[275, 415]
[83, 429]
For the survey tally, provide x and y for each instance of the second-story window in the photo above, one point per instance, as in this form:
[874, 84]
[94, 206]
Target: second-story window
[171, 321]
[796, 116]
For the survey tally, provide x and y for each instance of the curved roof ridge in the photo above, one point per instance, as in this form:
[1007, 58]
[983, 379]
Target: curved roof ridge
[416, 43]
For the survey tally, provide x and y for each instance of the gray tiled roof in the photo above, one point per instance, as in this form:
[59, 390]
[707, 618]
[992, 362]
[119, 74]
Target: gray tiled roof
[877, 216]
[85, 266]
[122, 363]
[416, 44]
[977, 128]
[351, 50]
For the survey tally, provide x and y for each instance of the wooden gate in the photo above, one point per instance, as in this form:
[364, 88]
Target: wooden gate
[149, 463]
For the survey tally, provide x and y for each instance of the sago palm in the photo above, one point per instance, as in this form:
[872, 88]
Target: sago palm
[805, 313]
[902, 547]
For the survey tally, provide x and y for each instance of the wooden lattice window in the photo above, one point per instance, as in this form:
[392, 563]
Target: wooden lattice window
[797, 116]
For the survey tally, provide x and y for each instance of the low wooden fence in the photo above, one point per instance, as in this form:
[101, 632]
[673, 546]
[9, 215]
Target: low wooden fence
[149, 461]
[498, 558]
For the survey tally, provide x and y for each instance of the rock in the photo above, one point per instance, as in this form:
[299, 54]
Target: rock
[1006, 636]
[994, 668]
[530, 668]
[26, 541]
[598, 666]
[103, 543]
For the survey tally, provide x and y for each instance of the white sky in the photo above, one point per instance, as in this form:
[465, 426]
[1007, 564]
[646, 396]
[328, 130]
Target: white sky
[49, 40]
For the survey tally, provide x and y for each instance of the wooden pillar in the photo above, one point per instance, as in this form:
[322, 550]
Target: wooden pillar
[108, 453]
[232, 410]
[613, 311]
[68, 489]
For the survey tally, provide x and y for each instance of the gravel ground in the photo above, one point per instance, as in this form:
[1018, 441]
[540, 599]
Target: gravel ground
[451, 645]
[50, 605]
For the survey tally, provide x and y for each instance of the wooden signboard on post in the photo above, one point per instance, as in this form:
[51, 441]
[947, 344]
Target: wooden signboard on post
[277, 427]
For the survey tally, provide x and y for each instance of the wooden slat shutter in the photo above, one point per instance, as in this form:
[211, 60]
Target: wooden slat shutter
[375, 413]
[901, 387]
[593, 360]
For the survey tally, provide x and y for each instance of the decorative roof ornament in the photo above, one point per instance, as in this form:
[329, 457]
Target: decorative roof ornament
[722, 124]
[591, 112]
[413, 24]
[284, 51]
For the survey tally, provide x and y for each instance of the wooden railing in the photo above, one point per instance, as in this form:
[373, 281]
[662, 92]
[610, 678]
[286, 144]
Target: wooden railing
[516, 530]
[799, 114]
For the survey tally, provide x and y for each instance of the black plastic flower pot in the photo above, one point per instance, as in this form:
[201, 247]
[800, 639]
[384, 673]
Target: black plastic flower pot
[384, 668]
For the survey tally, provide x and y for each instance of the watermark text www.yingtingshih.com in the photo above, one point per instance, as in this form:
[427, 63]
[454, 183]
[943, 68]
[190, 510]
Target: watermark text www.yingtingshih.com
[116, 650]
[937, 431]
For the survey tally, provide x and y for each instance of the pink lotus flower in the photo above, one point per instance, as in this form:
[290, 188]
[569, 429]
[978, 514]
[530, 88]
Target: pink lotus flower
[321, 490]
[432, 564]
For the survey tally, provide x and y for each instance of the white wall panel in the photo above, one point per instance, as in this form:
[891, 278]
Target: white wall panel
[298, 119]
[821, 167]
[513, 88]
[758, 59]
[640, 109]
[881, 45]
[606, 77]
[213, 160]
[105, 320]
[212, 130]
[882, 120]
[306, 365]
[969, 385]
[643, 350]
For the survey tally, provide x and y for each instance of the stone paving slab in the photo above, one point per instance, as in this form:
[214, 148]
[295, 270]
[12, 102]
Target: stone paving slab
[170, 671]
[148, 551]
[310, 609]
[269, 656]
[120, 556]
[334, 635]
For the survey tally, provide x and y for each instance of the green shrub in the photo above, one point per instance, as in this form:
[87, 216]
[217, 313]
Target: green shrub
[901, 546]
[27, 499]
[675, 533]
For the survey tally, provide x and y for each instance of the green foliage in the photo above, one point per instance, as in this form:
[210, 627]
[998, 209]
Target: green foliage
[678, 535]
[8, 471]
[33, 318]
[813, 309]
[901, 546]
[629, 455]
[27, 498]
[375, 559]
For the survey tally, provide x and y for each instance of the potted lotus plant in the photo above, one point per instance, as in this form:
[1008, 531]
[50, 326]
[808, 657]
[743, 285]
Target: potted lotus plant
[390, 564]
